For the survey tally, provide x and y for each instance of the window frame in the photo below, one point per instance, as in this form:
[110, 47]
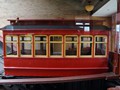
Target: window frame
[73, 56]
[91, 42]
[40, 56]
[13, 43]
[26, 42]
[106, 44]
[55, 56]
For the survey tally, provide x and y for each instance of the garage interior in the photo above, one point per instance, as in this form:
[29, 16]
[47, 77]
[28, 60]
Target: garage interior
[105, 10]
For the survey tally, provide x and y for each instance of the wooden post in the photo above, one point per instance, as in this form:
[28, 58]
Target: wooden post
[118, 22]
[118, 8]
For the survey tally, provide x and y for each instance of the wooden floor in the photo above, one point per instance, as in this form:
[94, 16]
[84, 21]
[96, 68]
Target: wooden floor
[114, 88]
[1, 87]
[81, 85]
[99, 84]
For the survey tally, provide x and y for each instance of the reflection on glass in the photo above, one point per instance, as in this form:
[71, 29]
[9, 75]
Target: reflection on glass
[40, 49]
[86, 45]
[71, 49]
[11, 38]
[26, 48]
[71, 38]
[26, 45]
[86, 48]
[55, 38]
[11, 49]
[40, 45]
[56, 49]
[56, 45]
[86, 39]
[100, 48]
[40, 38]
[71, 46]
[101, 39]
[11, 45]
[25, 38]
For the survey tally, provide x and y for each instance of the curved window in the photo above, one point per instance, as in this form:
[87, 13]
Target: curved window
[100, 45]
[26, 45]
[11, 45]
[71, 45]
[56, 45]
[86, 42]
[40, 46]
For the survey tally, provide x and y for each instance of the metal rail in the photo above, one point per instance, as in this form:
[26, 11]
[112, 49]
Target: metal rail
[106, 76]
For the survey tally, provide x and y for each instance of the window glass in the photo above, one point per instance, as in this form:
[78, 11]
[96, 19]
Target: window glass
[11, 38]
[100, 48]
[55, 38]
[11, 46]
[40, 38]
[86, 28]
[86, 38]
[40, 46]
[101, 39]
[56, 45]
[87, 23]
[100, 45]
[71, 49]
[86, 45]
[26, 45]
[86, 48]
[25, 38]
[71, 45]
[71, 38]
[26, 48]
[56, 49]
[118, 39]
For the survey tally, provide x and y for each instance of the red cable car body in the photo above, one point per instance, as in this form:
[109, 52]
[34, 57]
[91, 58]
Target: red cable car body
[52, 65]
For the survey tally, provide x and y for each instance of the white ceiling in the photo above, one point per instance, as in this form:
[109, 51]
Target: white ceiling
[107, 10]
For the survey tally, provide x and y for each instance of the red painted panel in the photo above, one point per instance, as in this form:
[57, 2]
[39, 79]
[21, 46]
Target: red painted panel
[56, 62]
[24, 72]
[55, 66]
[62, 32]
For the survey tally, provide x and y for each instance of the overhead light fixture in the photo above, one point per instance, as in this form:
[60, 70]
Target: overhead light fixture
[89, 7]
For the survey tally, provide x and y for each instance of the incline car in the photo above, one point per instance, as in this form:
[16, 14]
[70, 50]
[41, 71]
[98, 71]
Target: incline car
[55, 47]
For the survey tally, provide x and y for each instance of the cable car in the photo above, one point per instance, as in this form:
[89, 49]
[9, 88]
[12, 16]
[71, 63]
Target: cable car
[55, 47]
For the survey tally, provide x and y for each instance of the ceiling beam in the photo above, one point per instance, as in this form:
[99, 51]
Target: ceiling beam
[83, 2]
[98, 5]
